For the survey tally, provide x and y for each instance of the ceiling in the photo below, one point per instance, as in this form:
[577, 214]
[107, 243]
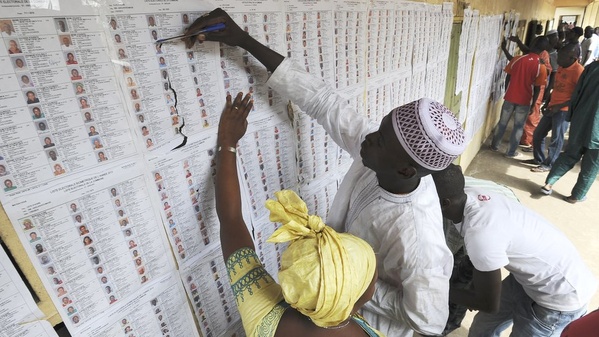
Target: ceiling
[571, 3]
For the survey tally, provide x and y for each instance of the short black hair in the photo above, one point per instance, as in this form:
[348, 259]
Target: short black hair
[449, 182]
[539, 44]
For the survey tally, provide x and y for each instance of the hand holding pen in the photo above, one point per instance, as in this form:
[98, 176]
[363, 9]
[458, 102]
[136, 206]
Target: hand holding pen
[231, 34]
[188, 33]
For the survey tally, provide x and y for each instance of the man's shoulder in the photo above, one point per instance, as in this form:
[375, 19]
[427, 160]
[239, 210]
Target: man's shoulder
[485, 204]
[515, 59]
[528, 61]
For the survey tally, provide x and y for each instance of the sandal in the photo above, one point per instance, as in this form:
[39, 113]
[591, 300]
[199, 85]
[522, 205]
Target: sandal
[546, 191]
[573, 200]
[540, 168]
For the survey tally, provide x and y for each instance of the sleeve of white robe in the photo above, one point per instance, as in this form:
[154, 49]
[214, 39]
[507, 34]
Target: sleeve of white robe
[317, 99]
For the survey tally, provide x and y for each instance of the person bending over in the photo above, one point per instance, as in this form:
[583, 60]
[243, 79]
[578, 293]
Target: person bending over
[549, 284]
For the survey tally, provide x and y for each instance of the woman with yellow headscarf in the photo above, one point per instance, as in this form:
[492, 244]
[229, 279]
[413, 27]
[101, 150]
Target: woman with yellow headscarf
[325, 276]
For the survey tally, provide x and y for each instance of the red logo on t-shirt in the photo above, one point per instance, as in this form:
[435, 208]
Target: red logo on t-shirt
[483, 197]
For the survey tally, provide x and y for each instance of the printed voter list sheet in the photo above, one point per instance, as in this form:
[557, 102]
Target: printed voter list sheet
[94, 240]
[160, 309]
[19, 314]
[349, 41]
[183, 183]
[267, 160]
[264, 20]
[309, 36]
[317, 153]
[61, 111]
[170, 91]
[207, 285]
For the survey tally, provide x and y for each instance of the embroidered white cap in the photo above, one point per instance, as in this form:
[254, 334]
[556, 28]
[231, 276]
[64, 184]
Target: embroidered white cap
[429, 132]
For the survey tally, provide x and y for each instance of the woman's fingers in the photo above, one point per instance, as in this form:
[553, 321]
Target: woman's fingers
[240, 106]
[245, 106]
[246, 100]
[248, 108]
[237, 102]
[229, 101]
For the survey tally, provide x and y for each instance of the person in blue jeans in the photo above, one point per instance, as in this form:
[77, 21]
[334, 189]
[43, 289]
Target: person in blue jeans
[583, 144]
[549, 284]
[526, 76]
[554, 118]
[520, 113]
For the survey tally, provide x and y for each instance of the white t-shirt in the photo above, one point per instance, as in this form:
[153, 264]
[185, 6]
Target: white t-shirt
[405, 231]
[590, 45]
[499, 232]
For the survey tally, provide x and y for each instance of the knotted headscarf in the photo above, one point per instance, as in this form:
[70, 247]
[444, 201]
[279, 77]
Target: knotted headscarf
[323, 273]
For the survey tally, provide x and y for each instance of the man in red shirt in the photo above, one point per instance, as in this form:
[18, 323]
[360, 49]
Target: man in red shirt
[554, 119]
[527, 75]
[535, 116]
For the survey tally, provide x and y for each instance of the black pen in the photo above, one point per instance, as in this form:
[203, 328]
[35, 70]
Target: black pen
[207, 29]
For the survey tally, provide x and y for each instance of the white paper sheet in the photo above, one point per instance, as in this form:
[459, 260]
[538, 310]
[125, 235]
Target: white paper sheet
[94, 240]
[183, 184]
[19, 314]
[161, 309]
[207, 285]
[60, 108]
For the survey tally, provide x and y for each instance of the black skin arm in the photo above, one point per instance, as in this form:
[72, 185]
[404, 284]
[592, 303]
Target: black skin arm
[522, 46]
[509, 58]
[232, 126]
[549, 87]
[234, 36]
[505, 51]
[484, 295]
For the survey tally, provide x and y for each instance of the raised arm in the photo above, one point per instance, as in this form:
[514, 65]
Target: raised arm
[233, 123]
[505, 51]
[234, 36]
[341, 121]
[522, 46]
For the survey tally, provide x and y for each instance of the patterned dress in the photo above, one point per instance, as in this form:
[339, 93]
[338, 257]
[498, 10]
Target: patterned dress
[260, 299]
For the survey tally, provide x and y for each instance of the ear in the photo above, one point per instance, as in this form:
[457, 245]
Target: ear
[445, 203]
[407, 172]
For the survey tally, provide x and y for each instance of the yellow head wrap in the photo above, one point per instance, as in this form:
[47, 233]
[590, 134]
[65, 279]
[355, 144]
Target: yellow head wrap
[323, 273]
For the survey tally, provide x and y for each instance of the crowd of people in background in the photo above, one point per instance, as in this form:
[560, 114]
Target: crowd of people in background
[551, 87]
